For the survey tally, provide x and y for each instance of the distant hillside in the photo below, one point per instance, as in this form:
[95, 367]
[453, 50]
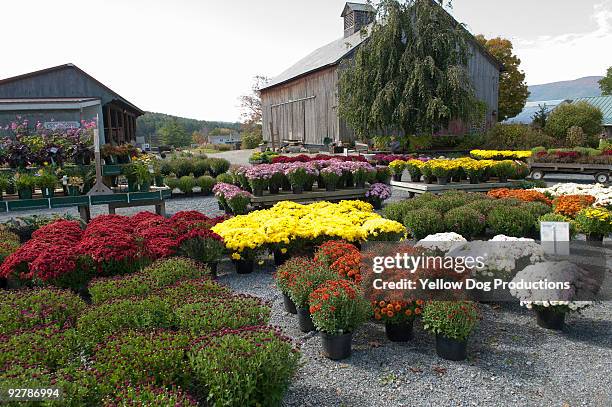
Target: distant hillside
[582, 87]
[148, 124]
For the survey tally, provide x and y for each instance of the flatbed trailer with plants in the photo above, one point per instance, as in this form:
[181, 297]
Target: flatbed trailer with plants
[601, 172]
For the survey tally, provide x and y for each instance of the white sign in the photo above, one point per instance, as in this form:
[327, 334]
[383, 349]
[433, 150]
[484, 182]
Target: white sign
[555, 237]
[61, 125]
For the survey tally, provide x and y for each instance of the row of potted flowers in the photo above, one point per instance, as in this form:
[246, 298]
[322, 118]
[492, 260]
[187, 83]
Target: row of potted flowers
[446, 170]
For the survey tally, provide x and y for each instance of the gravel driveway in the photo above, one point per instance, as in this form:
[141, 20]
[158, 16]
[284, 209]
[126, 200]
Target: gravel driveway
[512, 362]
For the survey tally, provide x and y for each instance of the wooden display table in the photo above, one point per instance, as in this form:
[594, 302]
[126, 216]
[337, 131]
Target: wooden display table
[418, 188]
[306, 197]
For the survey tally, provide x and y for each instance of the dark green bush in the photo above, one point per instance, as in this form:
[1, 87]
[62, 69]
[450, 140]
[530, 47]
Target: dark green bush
[536, 209]
[516, 137]
[26, 309]
[182, 167]
[200, 167]
[218, 166]
[250, 141]
[233, 311]
[148, 395]
[206, 183]
[257, 365]
[156, 357]
[194, 290]
[483, 206]
[186, 184]
[226, 178]
[465, 221]
[423, 222]
[166, 167]
[511, 221]
[162, 273]
[580, 114]
[446, 202]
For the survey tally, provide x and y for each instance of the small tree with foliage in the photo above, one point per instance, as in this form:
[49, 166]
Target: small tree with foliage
[540, 117]
[580, 114]
[605, 84]
[174, 134]
[411, 74]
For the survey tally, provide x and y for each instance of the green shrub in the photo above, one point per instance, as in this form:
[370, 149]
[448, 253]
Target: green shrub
[26, 309]
[446, 202]
[182, 167]
[186, 184]
[218, 166]
[166, 167]
[160, 274]
[104, 319]
[250, 141]
[465, 221]
[156, 357]
[516, 137]
[397, 210]
[580, 114]
[194, 290]
[9, 243]
[148, 395]
[536, 209]
[257, 365]
[171, 182]
[510, 221]
[483, 206]
[200, 167]
[206, 183]
[557, 217]
[226, 178]
[234, 311]
[575, 137]
[423, 222]
[49, 347]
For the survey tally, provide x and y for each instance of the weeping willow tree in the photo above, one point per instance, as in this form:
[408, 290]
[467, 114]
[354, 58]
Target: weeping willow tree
[410, 74]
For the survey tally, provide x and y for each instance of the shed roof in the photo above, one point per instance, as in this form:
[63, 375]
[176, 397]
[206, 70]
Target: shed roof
[357, 7]
[604, 103]
[326, 56]
[79, 70]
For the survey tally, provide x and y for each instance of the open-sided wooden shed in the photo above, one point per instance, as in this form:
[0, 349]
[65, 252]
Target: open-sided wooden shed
[302, 102]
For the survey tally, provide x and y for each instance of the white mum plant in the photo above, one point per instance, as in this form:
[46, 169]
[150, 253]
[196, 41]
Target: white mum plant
[442, 242]
[602, 194]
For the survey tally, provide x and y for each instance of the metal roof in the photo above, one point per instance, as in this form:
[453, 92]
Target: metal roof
[604, 103]
[526, 115]
[357, 7]
[46, 100]
[328, 55]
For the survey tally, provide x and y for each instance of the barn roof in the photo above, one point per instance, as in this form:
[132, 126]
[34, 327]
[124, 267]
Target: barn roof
[357, 7]
[604, 103]
[326, 56]
[79, 70]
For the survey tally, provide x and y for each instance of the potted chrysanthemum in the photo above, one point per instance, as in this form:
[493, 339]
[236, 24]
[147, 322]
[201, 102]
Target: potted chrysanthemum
[452, 322]
[285, 276]
[398, 317]
[398, 167]
[595, 223]
[331, 177]
[338, 308]
[377, 194]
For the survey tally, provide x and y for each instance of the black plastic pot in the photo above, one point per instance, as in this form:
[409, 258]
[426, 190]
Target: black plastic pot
[442, 180]
[450, 349]
[289, 305]
[337, 347]
[549, 319]
[25, 193]
[474, 180]
[594, 238]
[304, 320]
[376, 202]
[308, 187]
[330, 187]
[280, 258]
[258, 192]
[298, 189]
[503, 179]
[244, 266]
[401, 332]
[360, 184]
[213, 268]
[274, 189]
[397, 177]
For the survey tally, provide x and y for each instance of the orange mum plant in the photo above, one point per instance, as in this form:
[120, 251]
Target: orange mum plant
[396, 312]
[349, 266]
[570, 205]
[332, 250]
[526, 195]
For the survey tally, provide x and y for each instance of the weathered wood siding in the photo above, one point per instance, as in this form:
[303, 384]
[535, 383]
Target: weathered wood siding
[304, 109]
[484, 74]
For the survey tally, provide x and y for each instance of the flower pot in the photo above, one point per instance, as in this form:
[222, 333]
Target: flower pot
[330, 187]
[350, 183]
[397, 177]
[25, 193]
[376, 202]
[258, 192]
[337, 347]
[73, 190]
[280, 258]
[159, 181]
[549, 319]
[289, 305]
[304, 320]
[308, 187]
[360, 184]
[594, 238]
[274, 189]
[474, 180]
[132, 186]
[298, 189]
[503, 179]
[451, 349]
[47, 192]
[442, 180]
[415, 178]
[244, 266]
[429, 180]
[144, 186]
[401, 332]
[123, 159]
[221, 207]
[213, 266]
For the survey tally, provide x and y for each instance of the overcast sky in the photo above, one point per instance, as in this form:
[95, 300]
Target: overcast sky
[194, 58]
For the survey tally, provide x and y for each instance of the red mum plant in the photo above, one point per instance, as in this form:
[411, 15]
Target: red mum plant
[349, 266]
[187, 220]
[146, 218]
[107, 225]
[338, 307]
[332, 250]
[310, 276]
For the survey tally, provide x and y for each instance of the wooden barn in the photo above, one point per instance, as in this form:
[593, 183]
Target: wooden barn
[302, 102]
[63, 96]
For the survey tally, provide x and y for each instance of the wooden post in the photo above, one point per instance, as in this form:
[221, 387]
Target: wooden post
[99, 188]
[272, 136]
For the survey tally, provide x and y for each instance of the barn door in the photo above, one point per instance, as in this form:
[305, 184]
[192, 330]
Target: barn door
[298, 118]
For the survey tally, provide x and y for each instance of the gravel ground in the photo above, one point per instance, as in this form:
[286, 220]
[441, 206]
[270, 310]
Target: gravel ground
[512, 362]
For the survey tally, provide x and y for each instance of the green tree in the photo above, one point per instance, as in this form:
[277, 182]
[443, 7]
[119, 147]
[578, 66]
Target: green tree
[173, 133]
[605, 84]
[580, 114]
[513, 90]
[411, 74]
[540, 117]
